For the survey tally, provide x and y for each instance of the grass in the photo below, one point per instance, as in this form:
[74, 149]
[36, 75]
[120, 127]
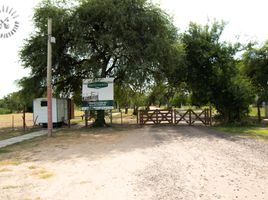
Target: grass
[43, 174]
[9, 153]
[4, 111]
[2, 151]
[253, 112]
[5, 170]
[32, 167]
[10, 187]
[15, 120]
[252, 131]
[10, 133]
[9, 162]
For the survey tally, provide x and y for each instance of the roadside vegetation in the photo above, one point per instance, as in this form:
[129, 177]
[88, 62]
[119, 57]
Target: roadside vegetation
[254, 131]
[153, 63]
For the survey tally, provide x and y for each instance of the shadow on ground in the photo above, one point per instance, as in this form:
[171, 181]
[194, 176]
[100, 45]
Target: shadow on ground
[95, 143]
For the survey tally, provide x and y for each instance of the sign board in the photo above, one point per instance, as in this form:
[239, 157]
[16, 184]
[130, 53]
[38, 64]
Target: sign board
[98, 94]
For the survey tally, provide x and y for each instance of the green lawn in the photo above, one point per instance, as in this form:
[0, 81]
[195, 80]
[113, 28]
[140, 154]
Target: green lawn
[253, 131]
[254, 113]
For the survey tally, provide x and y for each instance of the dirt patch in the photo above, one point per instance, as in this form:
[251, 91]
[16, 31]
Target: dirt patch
[179, 162]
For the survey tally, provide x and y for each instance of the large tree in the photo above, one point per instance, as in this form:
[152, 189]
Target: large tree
[212, 73]
[129, 39]
[255, 61]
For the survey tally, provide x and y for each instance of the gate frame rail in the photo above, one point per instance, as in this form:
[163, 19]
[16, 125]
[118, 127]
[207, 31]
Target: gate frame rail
[173, 116]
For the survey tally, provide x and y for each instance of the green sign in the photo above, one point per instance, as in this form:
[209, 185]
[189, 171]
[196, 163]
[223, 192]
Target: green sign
[97, 85]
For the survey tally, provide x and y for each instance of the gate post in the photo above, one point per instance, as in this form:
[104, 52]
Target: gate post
[190, 116]
[206, 117]
[210, 115]
[157, 122]
[138, 117]
[172, 113]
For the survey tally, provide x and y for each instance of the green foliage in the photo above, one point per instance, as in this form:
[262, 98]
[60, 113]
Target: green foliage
[132, 41]
[4, 111]
[164, 93]
[255, 62]
[233, 102]
[136, 43]
[128, 95]
[12, 103]
[252, 131]
[212, 72]
[181, 97]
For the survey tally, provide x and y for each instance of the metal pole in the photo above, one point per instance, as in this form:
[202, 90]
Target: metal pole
[49, 78]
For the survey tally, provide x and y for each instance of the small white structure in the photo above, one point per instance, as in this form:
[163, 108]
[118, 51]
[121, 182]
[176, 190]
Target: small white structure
[60, 110]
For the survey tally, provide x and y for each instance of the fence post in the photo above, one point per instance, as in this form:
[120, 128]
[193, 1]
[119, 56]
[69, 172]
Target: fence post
[210, 115]
[190, 116]
[156, 116]
[172, 119]
[12, 122]
[24, 119]
[206, 117]
[138, 118]
[86, 118]
[121, 117]
[111, 116]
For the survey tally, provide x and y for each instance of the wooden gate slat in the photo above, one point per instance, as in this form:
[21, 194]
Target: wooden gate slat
[174, 116]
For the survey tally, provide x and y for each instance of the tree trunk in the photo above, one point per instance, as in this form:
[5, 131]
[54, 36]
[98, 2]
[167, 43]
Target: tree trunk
[226, 117]
[100, 121]
[126, 110]
[135, 111]
[259, 113]
[24, 118]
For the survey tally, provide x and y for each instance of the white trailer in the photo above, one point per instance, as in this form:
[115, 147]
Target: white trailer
[61, 110]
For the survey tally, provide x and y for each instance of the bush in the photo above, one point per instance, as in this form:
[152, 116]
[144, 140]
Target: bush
[5, 111]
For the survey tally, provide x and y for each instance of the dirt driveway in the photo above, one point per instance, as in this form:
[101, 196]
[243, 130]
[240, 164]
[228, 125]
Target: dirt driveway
[137, 163]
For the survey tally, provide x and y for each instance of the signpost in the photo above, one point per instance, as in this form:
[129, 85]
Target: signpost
[49, 77]
[98, 94]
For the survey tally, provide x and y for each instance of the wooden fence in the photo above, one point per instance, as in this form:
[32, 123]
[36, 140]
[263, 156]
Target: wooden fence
[156, 116]
[189, 117]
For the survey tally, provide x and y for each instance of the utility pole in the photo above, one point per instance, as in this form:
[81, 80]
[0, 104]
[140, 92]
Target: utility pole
[49, 78]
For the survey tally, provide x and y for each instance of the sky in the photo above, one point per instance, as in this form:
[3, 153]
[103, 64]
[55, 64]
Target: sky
[246, 21]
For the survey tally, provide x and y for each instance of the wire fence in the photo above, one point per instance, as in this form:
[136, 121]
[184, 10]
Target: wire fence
[15, 121]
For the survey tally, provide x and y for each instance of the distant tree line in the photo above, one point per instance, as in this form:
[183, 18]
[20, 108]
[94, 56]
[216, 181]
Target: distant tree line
[152, 62]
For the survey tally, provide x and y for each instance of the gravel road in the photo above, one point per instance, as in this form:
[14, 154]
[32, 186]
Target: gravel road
[167, 162]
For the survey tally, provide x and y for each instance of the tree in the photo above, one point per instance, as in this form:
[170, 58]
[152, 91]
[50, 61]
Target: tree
[128, 40]
[212, 72]
[255, 62]
[129, 95]
[13, 102]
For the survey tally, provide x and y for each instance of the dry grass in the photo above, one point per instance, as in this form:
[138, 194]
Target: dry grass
[32, 167]
[9, 162]
[5, 170]
[42, 174]
[10, 187]
[15, 120]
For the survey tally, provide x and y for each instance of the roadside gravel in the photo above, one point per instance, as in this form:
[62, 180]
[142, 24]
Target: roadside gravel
[166, 162]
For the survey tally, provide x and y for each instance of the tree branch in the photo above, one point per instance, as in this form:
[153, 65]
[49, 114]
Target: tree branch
[112, 67]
